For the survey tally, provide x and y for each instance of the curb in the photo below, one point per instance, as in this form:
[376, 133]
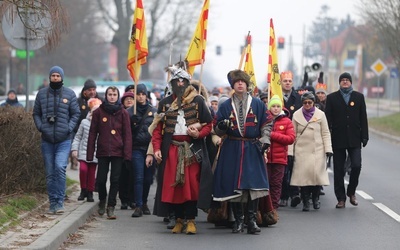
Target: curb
[392, 138]
[59, 233]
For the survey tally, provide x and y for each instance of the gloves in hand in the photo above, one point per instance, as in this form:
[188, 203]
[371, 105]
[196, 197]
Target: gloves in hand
[364, 142]
[329, 154]
[223, 125]
[264, 147]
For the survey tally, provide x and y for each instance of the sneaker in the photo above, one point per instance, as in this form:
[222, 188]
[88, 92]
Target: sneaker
[59, 209]
[295, 201]
[283, 203]
[110, 213]
[51, 210]
[138, 212]
[124, 206]
[146, 210]
[102, 207]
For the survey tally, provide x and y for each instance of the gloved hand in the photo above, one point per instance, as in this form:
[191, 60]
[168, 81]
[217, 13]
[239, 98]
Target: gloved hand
[329, 154]
[223, 125]
[364, 142]
[264, 147]
[290, 159]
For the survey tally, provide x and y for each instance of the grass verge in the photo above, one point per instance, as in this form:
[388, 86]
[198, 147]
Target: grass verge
[389, 124]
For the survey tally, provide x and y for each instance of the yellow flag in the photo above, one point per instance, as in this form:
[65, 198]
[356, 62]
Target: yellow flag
[138, 48]
[249, 66]
[274, 79]
[197, 48]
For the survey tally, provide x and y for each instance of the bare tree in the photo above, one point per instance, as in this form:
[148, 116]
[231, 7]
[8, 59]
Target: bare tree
[167, 21]
[384, 17]
[51, 9]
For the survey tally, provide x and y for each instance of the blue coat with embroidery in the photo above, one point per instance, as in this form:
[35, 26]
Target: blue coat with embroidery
[241, 164]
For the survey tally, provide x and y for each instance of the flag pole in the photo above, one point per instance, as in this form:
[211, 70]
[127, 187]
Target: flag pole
[137, 77]
[244, 51]
[201, 74]
[170, 61]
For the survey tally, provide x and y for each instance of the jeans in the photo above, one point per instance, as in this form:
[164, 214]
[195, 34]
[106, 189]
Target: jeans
[139, 164]
[55, 156]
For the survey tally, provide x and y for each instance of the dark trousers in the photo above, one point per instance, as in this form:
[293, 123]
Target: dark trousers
[101, 178]
[186, 210]
[339, 159]
[148, 181]
[287, 189]
[126, 185]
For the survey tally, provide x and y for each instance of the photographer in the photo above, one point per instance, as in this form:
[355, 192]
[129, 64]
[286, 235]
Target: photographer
[56, 113]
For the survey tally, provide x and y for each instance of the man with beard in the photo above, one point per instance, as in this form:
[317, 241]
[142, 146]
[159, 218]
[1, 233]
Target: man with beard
[184, 177]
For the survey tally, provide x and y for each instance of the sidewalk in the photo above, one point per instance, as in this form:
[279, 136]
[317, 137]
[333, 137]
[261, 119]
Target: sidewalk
[75, 216]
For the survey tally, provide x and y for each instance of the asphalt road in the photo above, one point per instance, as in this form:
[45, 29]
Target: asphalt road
[374, 224]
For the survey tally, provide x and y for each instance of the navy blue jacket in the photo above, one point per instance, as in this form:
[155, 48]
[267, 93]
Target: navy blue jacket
[63, 105]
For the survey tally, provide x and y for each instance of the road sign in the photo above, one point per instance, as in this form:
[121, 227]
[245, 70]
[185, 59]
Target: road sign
[394, 73]
[378, 67]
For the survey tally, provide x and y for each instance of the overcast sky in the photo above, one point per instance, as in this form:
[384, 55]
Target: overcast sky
[230, 20]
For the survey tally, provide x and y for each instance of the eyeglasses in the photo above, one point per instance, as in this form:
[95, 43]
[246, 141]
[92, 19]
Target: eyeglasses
[345, 80]
[308, 102]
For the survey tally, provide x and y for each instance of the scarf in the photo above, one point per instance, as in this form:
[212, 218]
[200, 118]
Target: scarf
[308, 113]
[346, 92]
[56, 85]
[141, 108]
[111, 108]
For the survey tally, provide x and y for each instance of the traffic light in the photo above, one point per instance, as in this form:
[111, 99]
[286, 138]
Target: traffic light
[281, 42]
[218, 50]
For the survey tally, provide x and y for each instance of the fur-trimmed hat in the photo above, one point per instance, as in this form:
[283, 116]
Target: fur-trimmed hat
[345, 75]
[237, 75]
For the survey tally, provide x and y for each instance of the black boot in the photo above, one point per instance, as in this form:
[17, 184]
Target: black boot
[89, 197]
[83, 194]
[252, 206]
[305, 195]
[315, 197]
[237, 209]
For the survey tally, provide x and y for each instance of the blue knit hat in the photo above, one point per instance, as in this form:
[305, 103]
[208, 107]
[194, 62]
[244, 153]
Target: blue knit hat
[57, 69]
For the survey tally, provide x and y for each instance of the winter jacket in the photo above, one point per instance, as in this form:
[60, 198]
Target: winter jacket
[140, 129]
[293, 103]
[61, 104]
[113, 133]
[81, 140]
[282, 135]
[12, 103]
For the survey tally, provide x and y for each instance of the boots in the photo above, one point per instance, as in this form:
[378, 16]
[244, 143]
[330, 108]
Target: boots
[172, 221]
[191, 227]
[178, 228]
[83, 194]
[305, 195]
[239, 218]
[315, 197]
[252, 206]
[110, 213]
[89, 197]
[102, 207]
[271, 217]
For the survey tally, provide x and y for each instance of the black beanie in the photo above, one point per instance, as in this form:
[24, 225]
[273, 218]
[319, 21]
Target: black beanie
[345, 75]
[141, 88]
[89, 83]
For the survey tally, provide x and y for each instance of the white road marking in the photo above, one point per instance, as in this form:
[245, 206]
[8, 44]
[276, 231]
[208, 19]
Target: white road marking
[364, 195]
[387, 211]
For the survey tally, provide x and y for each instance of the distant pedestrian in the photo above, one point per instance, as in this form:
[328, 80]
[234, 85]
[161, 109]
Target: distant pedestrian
[347, 117]
[12, 100]
[55, 114]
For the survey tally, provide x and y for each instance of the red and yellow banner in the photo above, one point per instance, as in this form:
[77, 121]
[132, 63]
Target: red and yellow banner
[274, 81]
[138, 47]
[197, 48]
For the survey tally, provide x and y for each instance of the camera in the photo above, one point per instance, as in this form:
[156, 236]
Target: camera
[51, 119]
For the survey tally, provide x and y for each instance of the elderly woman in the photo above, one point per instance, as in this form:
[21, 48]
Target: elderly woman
[309, 151]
